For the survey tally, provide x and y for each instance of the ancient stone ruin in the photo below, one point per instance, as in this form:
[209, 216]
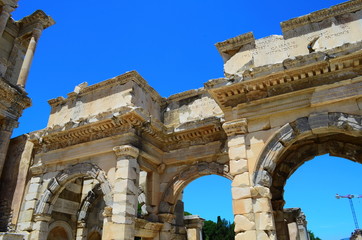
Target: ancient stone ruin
[115, 157]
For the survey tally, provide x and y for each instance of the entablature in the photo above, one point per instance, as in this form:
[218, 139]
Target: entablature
[14, 100]
[292, 75]
[122, 121]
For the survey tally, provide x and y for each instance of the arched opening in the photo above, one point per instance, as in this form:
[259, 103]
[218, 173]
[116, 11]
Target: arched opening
[337, 134]
[60, 230]
[58, 233]
[75, 193]
[209, 197]
[171, 201]
[313, 186]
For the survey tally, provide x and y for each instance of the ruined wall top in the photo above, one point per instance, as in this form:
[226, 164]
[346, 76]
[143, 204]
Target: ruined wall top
[131, 90]
[317, 31]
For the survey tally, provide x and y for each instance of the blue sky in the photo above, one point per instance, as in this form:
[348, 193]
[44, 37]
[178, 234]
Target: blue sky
[171, 44]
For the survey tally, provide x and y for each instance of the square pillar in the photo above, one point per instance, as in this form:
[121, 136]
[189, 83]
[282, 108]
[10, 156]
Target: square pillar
[253, 214]
[121, 224]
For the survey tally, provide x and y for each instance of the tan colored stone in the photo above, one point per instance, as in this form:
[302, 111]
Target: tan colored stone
[242, 223]
[242, 206]
[247, 235]
[240, 192]
[241, 180]
[237, 140]
[237, 152]
[238, 166]
[262, 205]
[264, 221]
[261, 235]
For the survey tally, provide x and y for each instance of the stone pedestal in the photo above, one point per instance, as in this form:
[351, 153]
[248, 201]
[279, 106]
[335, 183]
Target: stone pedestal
[194, 226]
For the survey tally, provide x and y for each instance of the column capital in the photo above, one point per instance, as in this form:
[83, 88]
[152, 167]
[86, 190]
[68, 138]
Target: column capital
[126, 150]
[8, 125]
[37, 31]
[43, 218]
[235, 127]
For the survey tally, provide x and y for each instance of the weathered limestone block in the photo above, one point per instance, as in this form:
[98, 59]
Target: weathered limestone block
[237, 152]
[262, 205]
[264, 221]
[238, 166]
[262, 235]
[241, 180]
[247, 235]
[260, 191]
[242, 223]
[240, 192]
[237, 140]
[242, 206]
[263, 179]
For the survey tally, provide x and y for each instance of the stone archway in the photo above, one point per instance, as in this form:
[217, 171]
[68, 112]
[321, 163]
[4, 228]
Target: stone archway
[336, 133]
[188, 174]
[55, 187]
[60, 230]
[57, 184]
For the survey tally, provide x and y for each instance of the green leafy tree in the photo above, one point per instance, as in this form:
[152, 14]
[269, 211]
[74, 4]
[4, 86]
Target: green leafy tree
[221, 230]
[312, 237]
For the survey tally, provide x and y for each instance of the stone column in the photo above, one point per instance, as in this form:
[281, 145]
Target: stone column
[251, 204]
[4, 17]
[168, 227]
[124, 211]
[25, 67]
[6, 129]
[281, 224]
[81, 233]
[40, 228]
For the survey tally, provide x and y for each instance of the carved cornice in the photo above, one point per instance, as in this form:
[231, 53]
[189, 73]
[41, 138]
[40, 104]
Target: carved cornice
[235, 127]
[119, 80]
[186, 94]
[343, 8]
[37, 17]
[121, 121]
[292, 75]
[126, 151]
[234, 44]
[14, 100]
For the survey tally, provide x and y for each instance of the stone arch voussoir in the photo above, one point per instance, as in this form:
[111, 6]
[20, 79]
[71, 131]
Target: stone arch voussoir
[315, 123]
[188, 174]
[57, 184]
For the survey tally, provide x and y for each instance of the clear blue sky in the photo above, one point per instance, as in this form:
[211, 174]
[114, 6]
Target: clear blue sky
[171, 44]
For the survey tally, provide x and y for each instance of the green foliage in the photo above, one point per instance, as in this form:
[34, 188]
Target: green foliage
[187, 213]
[312, 237]
[221, 230]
